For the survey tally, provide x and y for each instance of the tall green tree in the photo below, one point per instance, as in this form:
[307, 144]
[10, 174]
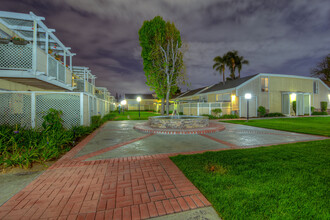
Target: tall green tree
[240, 61]
[220, 65]
[162, 55]
[322, 70]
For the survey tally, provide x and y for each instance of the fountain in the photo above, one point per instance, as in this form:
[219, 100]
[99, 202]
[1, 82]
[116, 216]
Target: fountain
[179, 124]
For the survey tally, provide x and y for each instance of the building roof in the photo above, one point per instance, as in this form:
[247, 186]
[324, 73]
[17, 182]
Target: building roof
[191, 92]
[228, 85]
[143, 96]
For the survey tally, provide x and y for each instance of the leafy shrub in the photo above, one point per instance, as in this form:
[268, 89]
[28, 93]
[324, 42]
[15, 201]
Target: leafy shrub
[20, 146]
[217, 111]
[180, 113]
[319, 113]
[53, 120]
[228, 116]
[96, 120]
[324, 106]
[274, 114]
[312, 109]
[294, 107]
[261, 111]
[210, 116]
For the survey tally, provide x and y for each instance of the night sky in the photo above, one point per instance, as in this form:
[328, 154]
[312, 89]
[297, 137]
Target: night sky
[276, 36]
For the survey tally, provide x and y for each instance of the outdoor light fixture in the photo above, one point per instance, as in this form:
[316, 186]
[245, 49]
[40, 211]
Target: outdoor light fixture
[123, 103]
[247, 97]
[138, 99]
[233, 97]
[293, 97]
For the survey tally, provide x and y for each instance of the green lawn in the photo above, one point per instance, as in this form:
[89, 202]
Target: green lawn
[132, 115]
[310, 125]
[290, 181]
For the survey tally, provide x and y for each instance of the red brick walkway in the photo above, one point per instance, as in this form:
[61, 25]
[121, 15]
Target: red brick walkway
[122, 188]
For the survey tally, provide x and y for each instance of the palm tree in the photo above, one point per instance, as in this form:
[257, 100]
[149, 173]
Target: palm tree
[239, 62]
[230, 60]
[219, 65]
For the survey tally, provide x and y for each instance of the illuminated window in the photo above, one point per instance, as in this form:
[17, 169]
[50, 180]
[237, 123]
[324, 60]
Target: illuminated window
[316, 87]
[225, 97]
[264, 84]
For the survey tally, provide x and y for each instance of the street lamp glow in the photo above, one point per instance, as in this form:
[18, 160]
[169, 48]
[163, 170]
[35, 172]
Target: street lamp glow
[248, 96]
[293, 97]
[123, 102]
[138, 99]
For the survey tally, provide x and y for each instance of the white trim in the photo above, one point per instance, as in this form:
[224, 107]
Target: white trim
[15, 15]
[25, 28]
[29, 74]
[33, 109]
[81, 108]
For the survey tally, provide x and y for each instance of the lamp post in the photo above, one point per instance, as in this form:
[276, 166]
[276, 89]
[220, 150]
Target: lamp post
[138, 99]
[123, 103]
[247, 97]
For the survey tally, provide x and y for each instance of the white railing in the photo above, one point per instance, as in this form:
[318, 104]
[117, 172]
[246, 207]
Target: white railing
[16, 56]
[89, 87]
[204, 108]
[56, 69]
[19, 57]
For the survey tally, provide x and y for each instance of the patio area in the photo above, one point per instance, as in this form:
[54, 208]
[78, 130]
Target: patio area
[120, 173]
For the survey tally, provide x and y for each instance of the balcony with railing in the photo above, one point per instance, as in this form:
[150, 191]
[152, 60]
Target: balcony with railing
[28, 55]
[84, 80]
[82, 85]
[102, 93]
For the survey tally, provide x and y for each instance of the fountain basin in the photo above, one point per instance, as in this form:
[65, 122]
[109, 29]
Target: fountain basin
[179, 122]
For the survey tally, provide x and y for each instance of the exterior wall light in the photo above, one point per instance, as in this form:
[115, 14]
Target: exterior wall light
[233, 98]
[293, 97]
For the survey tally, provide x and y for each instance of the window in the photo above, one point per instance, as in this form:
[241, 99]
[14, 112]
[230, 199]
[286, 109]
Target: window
[264, 84]
[203, 98]
[316, 87]
[225, 97]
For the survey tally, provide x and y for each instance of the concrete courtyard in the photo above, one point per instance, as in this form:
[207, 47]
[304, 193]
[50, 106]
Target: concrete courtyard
[120, 173]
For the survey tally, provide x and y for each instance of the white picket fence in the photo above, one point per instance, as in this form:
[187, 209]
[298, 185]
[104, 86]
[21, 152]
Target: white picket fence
[201, 108]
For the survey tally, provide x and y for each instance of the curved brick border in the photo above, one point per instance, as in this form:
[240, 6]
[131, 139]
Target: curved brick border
[213, 127]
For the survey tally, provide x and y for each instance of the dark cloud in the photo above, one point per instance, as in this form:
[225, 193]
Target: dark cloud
[276, 36]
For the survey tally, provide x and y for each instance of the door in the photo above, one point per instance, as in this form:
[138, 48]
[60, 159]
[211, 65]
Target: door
[285, 104]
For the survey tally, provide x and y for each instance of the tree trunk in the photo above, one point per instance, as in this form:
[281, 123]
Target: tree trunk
[224, 77]
[162, 107]
[167, 102]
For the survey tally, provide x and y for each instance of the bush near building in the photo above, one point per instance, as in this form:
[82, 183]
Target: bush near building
[20, 146]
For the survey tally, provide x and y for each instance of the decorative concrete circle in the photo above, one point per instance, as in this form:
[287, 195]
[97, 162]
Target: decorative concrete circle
[146, 128]
[179, 122]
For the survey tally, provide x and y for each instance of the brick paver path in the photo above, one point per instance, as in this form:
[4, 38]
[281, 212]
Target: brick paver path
[123, 188]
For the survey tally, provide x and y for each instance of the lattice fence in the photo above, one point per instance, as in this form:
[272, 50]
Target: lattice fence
[27, 108]
[15, 56]
[15, 108]
[68, 103]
